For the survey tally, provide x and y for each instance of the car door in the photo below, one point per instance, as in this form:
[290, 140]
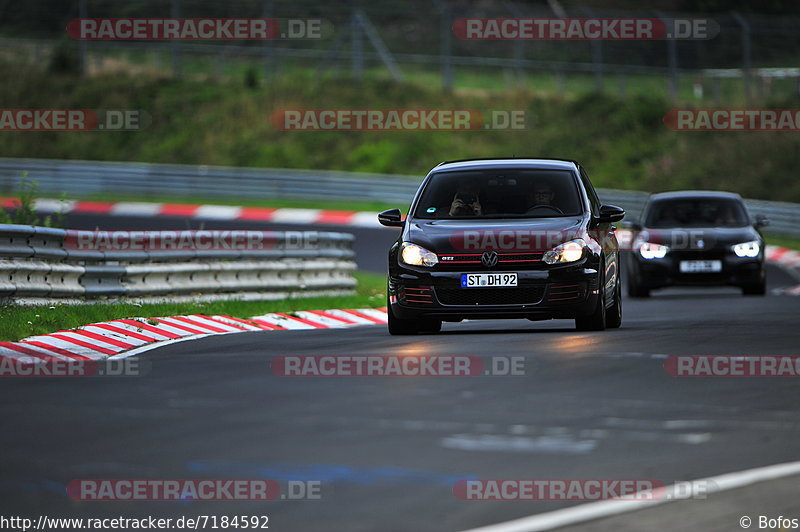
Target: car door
[605, 234]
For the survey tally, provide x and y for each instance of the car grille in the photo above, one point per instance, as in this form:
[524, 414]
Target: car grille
[505, 261]
[521, 295]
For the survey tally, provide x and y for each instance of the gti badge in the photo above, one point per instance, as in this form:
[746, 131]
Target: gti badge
[489, 259]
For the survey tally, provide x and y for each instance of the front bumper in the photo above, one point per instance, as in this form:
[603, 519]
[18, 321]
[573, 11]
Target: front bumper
[540, 294]
[661, 273]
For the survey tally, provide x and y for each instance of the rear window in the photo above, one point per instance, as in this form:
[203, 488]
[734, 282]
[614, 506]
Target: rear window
[500, 194]
[696, 212]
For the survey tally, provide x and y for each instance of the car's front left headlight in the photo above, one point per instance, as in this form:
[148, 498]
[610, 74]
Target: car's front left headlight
[747, 249]
[415, 255]
[567, 252]
[649, 250]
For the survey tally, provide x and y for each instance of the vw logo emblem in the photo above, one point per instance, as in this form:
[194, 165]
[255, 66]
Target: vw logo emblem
[701, 244]
[489, 259]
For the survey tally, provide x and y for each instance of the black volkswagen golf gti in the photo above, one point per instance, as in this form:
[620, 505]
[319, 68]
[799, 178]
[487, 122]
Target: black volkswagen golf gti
[504, 238]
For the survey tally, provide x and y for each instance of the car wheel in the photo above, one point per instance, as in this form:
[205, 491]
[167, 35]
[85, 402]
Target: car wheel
[596, 321]
[400, 327]
[614, 314]
[756, 289]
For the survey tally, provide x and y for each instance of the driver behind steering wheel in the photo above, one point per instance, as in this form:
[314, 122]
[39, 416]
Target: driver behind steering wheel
[541, 196]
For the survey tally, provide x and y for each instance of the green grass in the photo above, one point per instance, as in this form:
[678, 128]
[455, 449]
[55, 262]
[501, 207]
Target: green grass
[783, 241]
[20, 322]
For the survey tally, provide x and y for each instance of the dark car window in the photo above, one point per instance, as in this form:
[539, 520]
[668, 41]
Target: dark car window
[500, 194]
[594, 201]
[696, 212]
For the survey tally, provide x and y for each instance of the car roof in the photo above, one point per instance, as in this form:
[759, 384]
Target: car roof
[678, 194]
[508, 162]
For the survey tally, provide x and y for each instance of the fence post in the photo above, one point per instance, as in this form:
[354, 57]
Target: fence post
[519, 44]
[597, 55]
[83, 12]
[672, 61]
[175, 12]
[747, 58]
[357, 44]
[446, 45]
[266, 12]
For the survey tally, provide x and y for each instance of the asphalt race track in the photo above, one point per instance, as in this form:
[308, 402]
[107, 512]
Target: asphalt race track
[387, 451]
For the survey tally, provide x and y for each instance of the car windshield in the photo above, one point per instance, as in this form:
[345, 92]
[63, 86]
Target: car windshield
[696, 212]
[504, 193]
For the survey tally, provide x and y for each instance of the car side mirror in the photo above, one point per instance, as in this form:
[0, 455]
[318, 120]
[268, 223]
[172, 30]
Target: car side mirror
[391, 218]
[761, 220]
[610, 213]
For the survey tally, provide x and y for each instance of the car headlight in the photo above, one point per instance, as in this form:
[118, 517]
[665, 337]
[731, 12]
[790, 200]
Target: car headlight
[648, 250]
[415, 255]
[747, 249]
[567, 252]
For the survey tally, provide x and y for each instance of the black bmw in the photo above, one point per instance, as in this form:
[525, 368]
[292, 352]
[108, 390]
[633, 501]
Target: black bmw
[504, 238]
[696, 238]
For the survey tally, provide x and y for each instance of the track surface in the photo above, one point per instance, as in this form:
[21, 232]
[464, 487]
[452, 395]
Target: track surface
[387, 450]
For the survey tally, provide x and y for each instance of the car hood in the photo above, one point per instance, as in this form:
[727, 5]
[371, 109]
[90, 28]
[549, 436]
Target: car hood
[469, 236]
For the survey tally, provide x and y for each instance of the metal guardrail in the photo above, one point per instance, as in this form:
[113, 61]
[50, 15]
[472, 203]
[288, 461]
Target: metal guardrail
[45, 262]
[84, 178]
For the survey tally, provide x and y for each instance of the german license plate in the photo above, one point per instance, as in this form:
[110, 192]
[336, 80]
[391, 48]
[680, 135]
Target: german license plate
[700, 266]
[488, 280]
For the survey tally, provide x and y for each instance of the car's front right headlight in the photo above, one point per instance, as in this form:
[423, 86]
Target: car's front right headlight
[415, 255]
[648, 250]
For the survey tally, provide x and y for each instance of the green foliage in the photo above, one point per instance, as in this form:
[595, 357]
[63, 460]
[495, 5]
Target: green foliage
[24, 212]
[622, 141]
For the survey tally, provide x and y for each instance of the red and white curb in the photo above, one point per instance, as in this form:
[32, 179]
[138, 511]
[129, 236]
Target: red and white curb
[789, 260]
[127, 337]
[204, 212]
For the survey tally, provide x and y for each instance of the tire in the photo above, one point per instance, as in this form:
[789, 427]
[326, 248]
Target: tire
[596, 321]
[756, 289]
[430, 325]
[398, 327]
[614, 314]
[635, 289]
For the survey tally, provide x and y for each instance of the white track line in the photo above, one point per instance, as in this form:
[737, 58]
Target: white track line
[598, 510]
